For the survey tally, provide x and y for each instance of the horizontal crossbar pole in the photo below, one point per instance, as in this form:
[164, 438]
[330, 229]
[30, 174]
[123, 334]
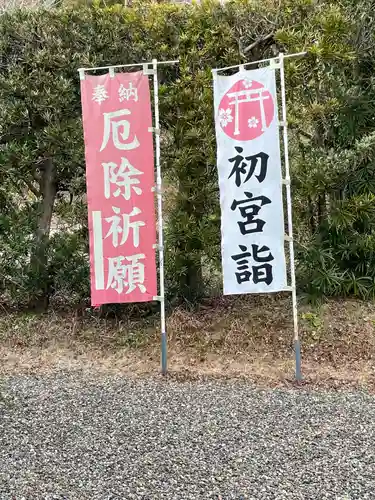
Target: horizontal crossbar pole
[253, 63]
[128, 65]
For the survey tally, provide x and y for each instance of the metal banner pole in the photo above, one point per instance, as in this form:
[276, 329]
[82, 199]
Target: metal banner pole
[159, 194]
[278, 63]
[297, 345]
[156, 130]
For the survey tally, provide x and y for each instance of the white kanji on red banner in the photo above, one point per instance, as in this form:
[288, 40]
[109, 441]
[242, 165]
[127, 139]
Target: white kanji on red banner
[120, 187]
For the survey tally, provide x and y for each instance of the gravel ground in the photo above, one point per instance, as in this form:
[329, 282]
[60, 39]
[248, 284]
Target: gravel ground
[79, 437]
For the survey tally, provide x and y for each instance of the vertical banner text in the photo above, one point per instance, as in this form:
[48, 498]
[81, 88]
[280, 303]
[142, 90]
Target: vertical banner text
[250, 181]
[120, 179]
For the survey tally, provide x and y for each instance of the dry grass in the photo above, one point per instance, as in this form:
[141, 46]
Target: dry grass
[225, 337]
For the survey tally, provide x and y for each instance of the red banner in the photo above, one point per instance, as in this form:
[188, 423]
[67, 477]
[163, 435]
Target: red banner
[120, 176]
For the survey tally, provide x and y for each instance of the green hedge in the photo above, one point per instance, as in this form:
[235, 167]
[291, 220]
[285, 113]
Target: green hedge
[41, 147]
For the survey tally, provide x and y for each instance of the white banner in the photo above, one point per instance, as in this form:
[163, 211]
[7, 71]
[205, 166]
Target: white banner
[249, 166]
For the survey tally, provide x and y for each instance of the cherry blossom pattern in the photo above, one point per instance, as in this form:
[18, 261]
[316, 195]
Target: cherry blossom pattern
[225, 116]
[253, 122]
[255, 103]
[247, 83]
[100, 94]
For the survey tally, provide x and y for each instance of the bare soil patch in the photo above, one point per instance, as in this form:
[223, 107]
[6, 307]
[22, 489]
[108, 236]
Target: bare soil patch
[247, 337]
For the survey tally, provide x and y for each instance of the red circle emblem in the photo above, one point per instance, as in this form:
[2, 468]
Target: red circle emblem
[246, 110]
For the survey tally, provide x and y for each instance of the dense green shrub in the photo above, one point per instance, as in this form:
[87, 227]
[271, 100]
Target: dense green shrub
[42, 172]
[332, 107]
